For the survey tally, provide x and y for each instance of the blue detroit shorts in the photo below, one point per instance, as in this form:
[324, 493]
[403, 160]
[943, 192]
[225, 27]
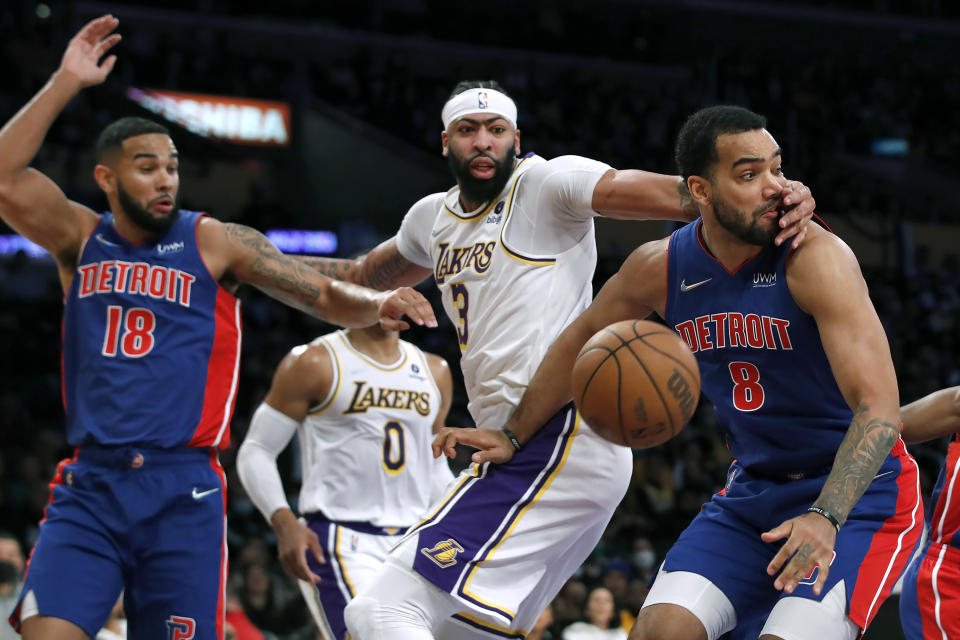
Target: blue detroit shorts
[872, 550]
[147, 522]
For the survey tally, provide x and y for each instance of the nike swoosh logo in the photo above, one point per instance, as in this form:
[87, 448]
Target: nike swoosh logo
[686, 287]
[202, 494]
[435, 233]
[880, 475]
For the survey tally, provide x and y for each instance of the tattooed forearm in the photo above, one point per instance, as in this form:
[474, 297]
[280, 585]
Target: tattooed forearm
[280, 275]
[867, 443]
[380, 274]
[687, 204]
[336, 268]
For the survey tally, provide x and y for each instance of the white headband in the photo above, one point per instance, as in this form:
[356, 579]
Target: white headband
[479, 101]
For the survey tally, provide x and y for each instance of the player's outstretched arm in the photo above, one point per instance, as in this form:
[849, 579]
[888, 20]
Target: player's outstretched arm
[441, 375]
[932, 416]
[303, 379]
[631, 194]
[248, 256]
[29, 201]
[633, 292]
[825, 280]
[383, 268]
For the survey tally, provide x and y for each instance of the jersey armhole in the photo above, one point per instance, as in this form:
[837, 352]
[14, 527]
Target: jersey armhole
[324, 404]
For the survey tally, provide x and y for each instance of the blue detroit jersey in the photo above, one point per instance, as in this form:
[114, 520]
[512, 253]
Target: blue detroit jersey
[151, 343]
[762, 364]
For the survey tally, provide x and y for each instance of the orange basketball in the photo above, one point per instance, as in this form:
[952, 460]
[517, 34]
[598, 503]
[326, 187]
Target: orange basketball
[636, 383]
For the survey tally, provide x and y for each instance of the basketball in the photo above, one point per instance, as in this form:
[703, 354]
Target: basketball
[636, 383]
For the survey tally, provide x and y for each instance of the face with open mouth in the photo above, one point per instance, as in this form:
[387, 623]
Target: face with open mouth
[148, 181]
[481, 151]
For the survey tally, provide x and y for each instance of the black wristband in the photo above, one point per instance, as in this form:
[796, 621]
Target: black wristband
[513, 438]
[826, 514]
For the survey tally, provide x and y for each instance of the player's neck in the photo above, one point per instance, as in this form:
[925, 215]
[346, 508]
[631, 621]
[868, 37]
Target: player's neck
[382, 346]
[730, 251]
[129, 231]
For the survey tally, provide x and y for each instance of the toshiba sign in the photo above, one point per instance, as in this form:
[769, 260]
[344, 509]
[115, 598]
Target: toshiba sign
[239, 120]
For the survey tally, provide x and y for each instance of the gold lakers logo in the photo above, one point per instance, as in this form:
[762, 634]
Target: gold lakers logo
[444, 553]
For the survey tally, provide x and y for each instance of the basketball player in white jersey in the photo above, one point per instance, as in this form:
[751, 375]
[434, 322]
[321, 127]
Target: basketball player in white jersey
[512, 249]
[366, 405]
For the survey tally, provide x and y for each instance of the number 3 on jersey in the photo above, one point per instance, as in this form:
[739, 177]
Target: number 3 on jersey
[747, 392]
[461, 300]
[136, 340]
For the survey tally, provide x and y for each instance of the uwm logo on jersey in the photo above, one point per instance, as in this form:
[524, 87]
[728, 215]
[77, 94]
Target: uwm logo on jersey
[450, 262]
[137, 278]
[732, 329]
[366, 397]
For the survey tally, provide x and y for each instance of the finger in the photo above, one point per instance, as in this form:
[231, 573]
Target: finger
[795, 571]
[98, 27]
[389, 324]
[797, 239]
[821, 577]
[304, 568]
[107, 65]
[783, 555]
[106, 44]
[314, 543]
[780, 531]
[426, 312]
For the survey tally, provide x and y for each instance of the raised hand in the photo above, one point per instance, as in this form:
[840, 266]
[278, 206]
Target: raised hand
[83, 54]
[800, 204]
[405, 302]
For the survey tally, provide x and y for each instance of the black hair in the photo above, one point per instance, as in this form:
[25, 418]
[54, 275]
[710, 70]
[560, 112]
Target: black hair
[696, 150]
[463, 85]
[116, 132]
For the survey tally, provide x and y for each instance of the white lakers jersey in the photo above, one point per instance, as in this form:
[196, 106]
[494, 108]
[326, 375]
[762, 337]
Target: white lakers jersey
[366, 447]
[513, 275]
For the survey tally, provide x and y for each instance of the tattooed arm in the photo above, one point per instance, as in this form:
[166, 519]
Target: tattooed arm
[825, 280]
[383, 268]
[241, 253]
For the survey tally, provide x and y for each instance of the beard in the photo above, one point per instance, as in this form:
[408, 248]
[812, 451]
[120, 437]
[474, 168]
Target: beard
[141, 217]
[747, 228]
[482, 189]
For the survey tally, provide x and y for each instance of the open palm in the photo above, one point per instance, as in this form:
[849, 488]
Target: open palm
[83, 54]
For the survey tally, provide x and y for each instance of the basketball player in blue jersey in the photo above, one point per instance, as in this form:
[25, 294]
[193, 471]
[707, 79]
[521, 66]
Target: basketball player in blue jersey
[511, 247]
[930, 599]
[820, 512]
[151, 351]
[366, 405]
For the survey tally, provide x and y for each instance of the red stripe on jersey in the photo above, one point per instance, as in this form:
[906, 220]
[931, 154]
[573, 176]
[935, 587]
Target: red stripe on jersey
[891, 546]
[222, 592]
[938, 592]
[945, 521]
[223, 370]
[57, 480]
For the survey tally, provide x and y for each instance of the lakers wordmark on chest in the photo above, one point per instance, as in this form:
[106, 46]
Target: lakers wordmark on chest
[451, 261]
[366, 397]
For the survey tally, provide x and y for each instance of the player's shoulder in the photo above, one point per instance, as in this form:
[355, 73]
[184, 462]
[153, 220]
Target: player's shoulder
[819, 249]
[305, 359]
[649, 255]
[561, 165]
[430, 202]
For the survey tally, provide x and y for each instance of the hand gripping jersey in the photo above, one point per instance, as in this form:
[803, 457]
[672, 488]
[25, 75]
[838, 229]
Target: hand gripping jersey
[151, 343]
[761, 361]
[366, 447]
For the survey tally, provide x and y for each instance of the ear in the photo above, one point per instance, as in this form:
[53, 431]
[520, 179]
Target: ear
[700, 190]
[443, 141]
[106, 178]
[516, 142]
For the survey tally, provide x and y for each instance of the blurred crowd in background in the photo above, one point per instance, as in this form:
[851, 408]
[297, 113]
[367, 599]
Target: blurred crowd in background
[878, 73]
